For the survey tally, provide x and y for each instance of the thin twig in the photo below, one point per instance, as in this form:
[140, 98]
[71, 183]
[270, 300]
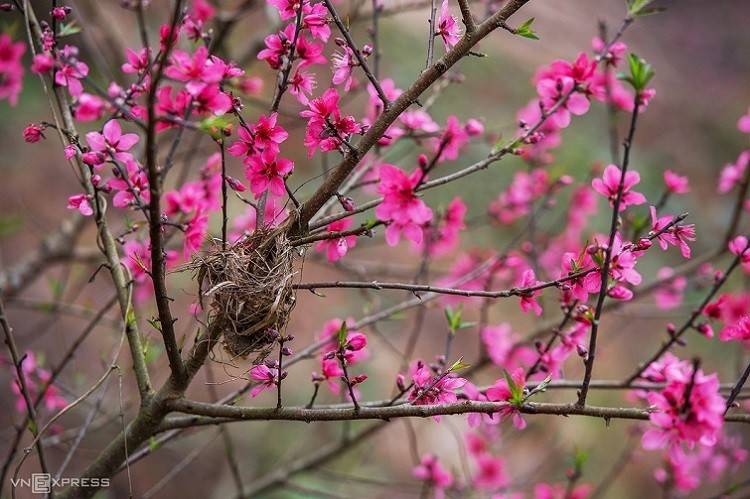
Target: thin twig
[360, 58]
[431, 38]
[591, 355]
[23, 388]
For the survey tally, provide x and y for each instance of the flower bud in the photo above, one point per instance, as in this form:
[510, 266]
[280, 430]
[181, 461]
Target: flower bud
[93, 158]
[356, 341]
[400, 382]
[235, 184]
[60, 13]
[33, 133]
[347, 203]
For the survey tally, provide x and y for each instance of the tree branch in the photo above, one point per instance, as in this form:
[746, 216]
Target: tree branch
[410, 96]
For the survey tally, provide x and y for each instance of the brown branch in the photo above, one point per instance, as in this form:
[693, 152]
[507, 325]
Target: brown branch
[604, 286]
[737, 389]
[377, 410]
[425, 288]
[156, 235]
[409, 97]
[466, 16]
[22, 387]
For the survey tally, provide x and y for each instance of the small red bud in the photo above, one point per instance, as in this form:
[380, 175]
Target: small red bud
[400, 382]
[347, 203]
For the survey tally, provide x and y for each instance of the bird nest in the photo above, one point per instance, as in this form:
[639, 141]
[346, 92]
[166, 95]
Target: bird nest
[250, 287]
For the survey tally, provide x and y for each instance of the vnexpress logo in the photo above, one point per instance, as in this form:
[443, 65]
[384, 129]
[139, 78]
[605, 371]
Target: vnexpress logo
[41, 483]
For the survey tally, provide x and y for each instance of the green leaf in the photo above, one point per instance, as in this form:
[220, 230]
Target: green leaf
[343, 330]
[56, 287]
[525, 30]
[641, 73]
[539, 388]
[214, 125]
[458, 365]
[69, 29]
[516, 391]
[151, 351]
[579, 458]
[154, 323]
[498, 145]
[153, 444]
[651, 10]
[640, 8]
[454, 319]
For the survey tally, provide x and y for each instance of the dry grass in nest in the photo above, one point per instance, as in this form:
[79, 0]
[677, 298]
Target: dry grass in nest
[250, 287]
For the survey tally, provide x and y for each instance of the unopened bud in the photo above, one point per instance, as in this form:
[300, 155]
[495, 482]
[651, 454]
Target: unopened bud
[367, 50]
[400, 382]
[705, 329]
[235, 184]
[359, 379]
[347, 203]
[286, 351]
[671, 329]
